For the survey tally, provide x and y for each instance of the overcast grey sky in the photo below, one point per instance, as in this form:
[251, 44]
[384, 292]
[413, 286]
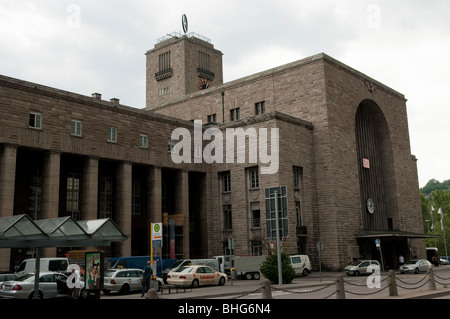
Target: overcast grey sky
[99, 46]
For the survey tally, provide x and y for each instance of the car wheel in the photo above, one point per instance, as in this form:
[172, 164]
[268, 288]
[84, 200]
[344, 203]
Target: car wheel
[305, 272]
[416, 271]
[195, 283]
[256, 276]
[222, 281]
[125, 289]
[356, 273]
[248, 276]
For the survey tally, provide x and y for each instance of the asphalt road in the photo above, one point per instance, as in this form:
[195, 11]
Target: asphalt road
[319, 286]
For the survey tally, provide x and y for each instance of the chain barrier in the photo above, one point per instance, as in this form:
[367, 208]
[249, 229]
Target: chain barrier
[405, 285]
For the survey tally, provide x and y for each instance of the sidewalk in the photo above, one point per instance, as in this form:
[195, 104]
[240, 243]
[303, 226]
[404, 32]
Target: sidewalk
[241, 288]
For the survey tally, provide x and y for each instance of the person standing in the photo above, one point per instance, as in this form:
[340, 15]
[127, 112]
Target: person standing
[146, 276]
[401, 260]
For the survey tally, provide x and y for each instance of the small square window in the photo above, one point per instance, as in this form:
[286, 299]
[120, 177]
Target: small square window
[35, 120]
[75, 127]
[112, 134]
[143, 141]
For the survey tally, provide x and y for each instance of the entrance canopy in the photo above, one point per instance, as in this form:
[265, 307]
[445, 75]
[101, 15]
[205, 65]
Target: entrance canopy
[392, 233]
[21, 231]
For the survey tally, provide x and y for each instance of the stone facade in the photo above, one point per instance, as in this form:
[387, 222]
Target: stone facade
[121, 159]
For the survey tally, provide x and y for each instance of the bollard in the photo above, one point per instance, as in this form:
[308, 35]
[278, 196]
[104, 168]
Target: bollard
[266, 290]
[340, 290]
[392, 284]
[431, 281]
[151, 294]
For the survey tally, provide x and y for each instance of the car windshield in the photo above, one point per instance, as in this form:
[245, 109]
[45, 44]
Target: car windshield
[355, 263]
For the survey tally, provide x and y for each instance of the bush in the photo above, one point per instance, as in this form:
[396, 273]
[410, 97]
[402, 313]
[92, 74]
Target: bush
[269, 268]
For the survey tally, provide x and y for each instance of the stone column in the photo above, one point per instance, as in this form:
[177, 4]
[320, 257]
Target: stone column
[123, 216]
[8, 156]
[50, 192]
[182, 207]
[89, 205]
[50, 185]
[154, 196]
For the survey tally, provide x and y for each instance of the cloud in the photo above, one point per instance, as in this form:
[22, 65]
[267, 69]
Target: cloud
[99, 46]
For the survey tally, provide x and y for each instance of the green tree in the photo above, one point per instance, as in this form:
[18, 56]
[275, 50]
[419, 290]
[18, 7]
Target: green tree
[269, 268]
[437, 199]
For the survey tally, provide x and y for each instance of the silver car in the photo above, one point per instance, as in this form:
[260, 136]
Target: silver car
[362, 267]
[415, 266]
[125, 280]
[51, 285]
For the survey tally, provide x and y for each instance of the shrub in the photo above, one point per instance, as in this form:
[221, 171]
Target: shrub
[269, 268]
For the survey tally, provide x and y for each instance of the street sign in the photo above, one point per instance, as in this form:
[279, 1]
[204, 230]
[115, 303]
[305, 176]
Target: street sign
[319, 246]
[377, 242]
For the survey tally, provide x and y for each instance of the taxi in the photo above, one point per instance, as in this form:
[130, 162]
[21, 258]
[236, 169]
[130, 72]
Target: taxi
[196, 275]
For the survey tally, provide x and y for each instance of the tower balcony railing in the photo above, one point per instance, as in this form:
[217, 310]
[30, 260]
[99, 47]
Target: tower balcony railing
[166, 73]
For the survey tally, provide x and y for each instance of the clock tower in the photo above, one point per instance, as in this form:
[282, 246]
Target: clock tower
[181, 64]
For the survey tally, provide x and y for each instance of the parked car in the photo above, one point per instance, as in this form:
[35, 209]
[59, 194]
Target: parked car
[360, 267]
[7, 277]
[125, 280]
[301, 265]
[51, 285]
[443, 261]
[415, 266]
[197, 275]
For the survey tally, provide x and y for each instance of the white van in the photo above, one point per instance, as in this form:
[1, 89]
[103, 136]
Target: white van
[301, 264]
[56, 264]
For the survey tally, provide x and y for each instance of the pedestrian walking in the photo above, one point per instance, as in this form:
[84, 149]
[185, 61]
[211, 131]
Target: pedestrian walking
[146, 276]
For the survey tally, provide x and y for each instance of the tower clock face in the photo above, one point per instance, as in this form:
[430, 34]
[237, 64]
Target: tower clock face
[204, 84]
[370, 205]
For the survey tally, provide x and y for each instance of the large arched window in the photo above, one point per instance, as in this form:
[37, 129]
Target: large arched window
[376, 174]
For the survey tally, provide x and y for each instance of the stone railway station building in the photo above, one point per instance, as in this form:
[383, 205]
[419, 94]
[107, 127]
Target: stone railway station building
[345, 173]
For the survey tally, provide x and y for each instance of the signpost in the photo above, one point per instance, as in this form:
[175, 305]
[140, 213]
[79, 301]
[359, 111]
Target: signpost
[156, 241]
[319, 247]
[378, 245]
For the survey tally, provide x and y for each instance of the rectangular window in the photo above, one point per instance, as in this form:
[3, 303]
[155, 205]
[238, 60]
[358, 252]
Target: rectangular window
[164, 61]
[73, 196]
[271, 212]
[112, 134]
[227, 217]
[75, 127]
[297, 176]
[226, 181]
[136, 198]
[256, 215]
[260, 108]
[298, 214]
[254, 177]
[235, 114]
[256, 248]
[203, 60]
[212, 118]
[143, 141]
[105, 197]
[35, 120]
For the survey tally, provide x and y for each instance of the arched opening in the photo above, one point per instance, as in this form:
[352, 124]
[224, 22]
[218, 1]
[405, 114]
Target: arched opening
[376, 173]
